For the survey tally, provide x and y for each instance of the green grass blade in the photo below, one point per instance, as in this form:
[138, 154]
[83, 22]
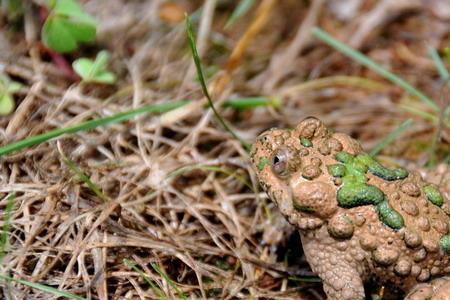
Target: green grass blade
[442, 70]
[418, 112]
[4, 237]
[201, 77]
[131, 264]
[117, 118]
[241, 9]
[252, 102]
[85, 178]
[367, 62]
[169, 281]
[44, 288]
[312, 279]
[443, 73]
[391, 137]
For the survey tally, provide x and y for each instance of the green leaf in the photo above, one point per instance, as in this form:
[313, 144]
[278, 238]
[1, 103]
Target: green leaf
[105, 77]
[68, 7]
[13, 87]
[7, 88]
[6, 104]
[82, 67]
[51, 3]
[81, 31]
[73, 12]
[101, 60]
[56, 36]
[67, 26]
[94, 71]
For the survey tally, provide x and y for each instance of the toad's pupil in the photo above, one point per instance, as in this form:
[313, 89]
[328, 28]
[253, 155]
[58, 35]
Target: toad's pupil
[279, 162]
[276, 160]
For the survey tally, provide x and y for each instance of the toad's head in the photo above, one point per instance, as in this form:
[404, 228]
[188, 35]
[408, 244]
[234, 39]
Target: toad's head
[291, 165]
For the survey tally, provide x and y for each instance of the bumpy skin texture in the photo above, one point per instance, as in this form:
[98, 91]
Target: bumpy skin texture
[358, 220]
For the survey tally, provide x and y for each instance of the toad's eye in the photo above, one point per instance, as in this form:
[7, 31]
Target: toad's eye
[280, 164]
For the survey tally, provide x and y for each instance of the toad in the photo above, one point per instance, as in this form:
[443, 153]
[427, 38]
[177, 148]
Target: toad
[358, 220]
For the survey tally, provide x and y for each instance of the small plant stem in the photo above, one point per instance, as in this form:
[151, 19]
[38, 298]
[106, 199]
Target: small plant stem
[198, 66]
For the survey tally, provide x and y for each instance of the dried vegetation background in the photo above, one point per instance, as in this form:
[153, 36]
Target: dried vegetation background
[207, 225]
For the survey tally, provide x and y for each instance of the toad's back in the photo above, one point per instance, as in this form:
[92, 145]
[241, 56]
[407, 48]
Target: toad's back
[358, 220]
[423, 243]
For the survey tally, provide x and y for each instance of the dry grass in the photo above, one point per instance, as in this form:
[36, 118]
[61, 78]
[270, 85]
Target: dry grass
[177, 191]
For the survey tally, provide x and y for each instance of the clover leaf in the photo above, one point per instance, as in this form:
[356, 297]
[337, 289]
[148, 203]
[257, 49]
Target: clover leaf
[94, 70]
[67, 26]
[7, 89]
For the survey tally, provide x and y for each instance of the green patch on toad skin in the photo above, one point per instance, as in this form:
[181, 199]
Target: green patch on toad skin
[306, 142]
[444, 242]
[356, 192]
[353, 194]
[262, 163]
[336, 170]
[433, 195]
[379, 170]
[303, 208]
[389, 216]
[344, 157]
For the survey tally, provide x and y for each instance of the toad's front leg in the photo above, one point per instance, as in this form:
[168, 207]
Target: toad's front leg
[437, 289]
[343, 283]
[341, 278]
